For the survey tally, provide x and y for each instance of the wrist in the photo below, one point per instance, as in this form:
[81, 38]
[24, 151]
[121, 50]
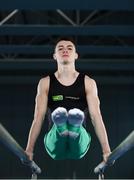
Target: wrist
[106, 155]
[30, 154]
[106, 149]
[29, 149]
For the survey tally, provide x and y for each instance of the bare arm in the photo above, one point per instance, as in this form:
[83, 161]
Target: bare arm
[96, 117]
[39, 113]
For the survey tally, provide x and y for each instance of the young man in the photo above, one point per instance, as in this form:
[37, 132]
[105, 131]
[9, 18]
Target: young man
[67, 93]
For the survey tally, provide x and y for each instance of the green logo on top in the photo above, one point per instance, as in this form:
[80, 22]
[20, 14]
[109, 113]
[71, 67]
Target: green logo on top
[57, 98]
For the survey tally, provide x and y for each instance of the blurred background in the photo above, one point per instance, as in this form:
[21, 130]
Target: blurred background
[104, 34]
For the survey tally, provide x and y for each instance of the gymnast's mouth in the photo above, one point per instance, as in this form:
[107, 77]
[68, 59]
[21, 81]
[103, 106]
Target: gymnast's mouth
[65, 55]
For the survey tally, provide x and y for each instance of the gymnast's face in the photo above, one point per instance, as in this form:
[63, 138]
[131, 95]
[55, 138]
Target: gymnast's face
[65, 52]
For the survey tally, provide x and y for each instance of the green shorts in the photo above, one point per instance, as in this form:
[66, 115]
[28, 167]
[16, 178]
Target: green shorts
[59, 147]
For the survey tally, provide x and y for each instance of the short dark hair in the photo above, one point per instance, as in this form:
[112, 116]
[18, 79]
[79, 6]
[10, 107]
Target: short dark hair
[64, 38]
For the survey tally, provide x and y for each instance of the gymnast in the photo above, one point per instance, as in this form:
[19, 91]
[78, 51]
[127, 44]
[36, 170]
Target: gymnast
[67, 93]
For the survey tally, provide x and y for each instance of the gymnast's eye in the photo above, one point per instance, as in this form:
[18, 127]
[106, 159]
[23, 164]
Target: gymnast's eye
[60, 49]
[70, 48]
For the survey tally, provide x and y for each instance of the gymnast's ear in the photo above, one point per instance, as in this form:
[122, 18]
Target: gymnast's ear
[54, 56]
[76, 55]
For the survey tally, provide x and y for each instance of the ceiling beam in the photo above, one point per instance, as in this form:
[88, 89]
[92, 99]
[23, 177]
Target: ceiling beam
[93, 30]
[82, 49]
[67, 5]
[9, 16]
[25, 65]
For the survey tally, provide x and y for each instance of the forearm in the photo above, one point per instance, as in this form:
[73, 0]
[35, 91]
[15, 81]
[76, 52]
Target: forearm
[101, 133]
[95, 114]
[33, 135]
[39, 114]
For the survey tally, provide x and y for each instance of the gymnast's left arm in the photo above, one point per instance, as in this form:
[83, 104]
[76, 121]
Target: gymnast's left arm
[96, 117]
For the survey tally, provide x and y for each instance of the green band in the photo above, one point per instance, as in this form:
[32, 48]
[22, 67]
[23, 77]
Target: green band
[73, 128]
[62, 128]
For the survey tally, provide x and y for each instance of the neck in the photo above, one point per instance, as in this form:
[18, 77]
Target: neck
[66, 71]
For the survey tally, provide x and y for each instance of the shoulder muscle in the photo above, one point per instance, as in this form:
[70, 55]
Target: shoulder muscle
[43, 85]
[90, 85]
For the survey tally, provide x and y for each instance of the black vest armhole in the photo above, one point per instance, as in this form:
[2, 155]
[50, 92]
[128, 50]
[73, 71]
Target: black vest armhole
[82, 79]
[82, 76]
[51, 77]
[48, 113]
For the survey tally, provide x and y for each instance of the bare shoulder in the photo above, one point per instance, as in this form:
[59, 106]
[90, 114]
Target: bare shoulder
[90, 85]
[89, 81]
[44, 80]
[43, 84]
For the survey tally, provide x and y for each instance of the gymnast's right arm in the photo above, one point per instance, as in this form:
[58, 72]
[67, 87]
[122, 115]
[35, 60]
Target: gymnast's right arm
[39, 114]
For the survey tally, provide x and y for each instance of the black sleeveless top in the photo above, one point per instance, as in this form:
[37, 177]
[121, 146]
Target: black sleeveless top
[69, 97]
